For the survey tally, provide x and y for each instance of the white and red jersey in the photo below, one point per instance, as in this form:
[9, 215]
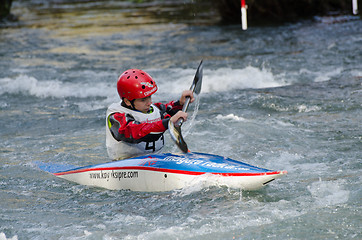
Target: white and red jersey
[130, 133]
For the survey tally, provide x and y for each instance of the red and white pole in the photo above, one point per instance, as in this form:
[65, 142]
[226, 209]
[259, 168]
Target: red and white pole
[355, 7]
[244, 23]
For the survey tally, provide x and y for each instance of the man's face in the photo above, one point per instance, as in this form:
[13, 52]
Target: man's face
[143, 104]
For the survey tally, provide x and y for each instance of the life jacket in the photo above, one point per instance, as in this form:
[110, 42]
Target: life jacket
[121, 149]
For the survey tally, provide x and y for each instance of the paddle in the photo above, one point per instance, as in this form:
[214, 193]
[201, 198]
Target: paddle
[175, 129]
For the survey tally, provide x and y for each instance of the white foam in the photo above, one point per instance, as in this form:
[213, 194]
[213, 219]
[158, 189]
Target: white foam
[87, 233]
[28, 85]
[226, 79]
[3, 237]
[194, 186]
[300, 108]
[357, 73]
[318, 76]
[231, 117]
[304, 108]
[220, 80]
[327, 75]
[172, 233]
[328, 193]
[171, 82]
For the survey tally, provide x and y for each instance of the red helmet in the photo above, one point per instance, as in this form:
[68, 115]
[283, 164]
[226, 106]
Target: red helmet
[135, 83]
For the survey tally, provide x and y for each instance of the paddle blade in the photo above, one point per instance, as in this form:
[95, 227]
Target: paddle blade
[196, 85]
[176, 135]
[175, 129]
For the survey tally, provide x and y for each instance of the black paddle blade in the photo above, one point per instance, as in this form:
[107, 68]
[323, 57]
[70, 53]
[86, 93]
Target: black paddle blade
[196, 85]
[176, 135]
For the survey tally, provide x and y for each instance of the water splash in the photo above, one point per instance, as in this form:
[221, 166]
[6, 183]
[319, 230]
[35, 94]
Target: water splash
[28, 85]
[3, 237]
[329, 193]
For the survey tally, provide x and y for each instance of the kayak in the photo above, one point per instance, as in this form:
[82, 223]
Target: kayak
[167, 172]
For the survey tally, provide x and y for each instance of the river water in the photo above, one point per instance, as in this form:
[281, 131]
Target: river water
[279, 97]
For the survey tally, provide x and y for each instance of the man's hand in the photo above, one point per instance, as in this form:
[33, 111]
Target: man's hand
[177, 116]
[187, 93]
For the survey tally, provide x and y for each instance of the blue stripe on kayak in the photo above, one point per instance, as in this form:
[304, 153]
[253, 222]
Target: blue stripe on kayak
[190, 162]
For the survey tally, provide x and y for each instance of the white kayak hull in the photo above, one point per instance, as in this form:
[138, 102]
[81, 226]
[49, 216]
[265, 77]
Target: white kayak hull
[166, 172]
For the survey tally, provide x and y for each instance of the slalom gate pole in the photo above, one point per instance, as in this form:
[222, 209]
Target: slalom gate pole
[355, 7]
[244, 23]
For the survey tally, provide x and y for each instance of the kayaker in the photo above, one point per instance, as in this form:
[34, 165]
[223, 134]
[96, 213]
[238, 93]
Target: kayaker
[135, 126]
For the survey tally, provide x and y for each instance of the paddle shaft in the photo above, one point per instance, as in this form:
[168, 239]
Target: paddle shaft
[180, 121]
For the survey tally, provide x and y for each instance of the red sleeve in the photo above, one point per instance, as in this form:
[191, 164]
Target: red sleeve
[130, 130]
